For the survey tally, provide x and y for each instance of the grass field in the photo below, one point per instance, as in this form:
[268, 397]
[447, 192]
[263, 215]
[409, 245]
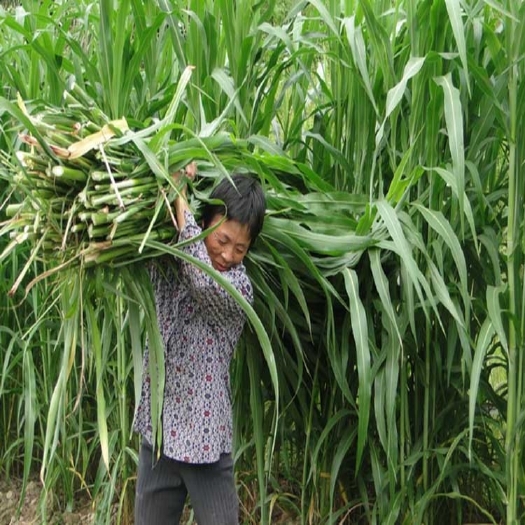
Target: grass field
[380, 379]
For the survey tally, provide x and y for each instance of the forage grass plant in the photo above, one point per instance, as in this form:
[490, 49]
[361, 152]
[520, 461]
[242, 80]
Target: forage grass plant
[514, 40]
[388, 276]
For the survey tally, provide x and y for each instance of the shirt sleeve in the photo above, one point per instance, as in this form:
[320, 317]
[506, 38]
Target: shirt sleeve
[204, 289]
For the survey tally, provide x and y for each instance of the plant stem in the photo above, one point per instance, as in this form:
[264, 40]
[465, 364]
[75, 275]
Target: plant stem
[513, 261]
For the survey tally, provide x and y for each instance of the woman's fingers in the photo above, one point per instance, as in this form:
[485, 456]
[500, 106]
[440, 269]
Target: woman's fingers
[191, 170]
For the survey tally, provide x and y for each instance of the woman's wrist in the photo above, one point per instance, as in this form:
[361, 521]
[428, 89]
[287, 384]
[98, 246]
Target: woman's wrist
[181, 201]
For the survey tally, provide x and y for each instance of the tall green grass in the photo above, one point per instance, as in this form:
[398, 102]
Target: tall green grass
[389, 275]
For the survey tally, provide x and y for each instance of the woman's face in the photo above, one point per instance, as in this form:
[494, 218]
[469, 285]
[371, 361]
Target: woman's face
[228, 244]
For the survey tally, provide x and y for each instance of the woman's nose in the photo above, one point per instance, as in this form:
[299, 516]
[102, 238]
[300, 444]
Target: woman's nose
[227, 254]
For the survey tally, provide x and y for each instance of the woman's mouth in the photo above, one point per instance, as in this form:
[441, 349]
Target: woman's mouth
[220, 267]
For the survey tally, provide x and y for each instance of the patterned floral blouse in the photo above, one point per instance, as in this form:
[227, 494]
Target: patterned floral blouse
[200, 324]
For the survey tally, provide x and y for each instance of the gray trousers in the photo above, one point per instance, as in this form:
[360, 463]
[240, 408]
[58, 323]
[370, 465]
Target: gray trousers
[162, 487]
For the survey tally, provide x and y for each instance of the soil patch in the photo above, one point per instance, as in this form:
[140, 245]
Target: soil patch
[10, 492]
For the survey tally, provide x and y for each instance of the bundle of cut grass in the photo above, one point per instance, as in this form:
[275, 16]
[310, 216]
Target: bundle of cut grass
[80, 191]
[88, 189]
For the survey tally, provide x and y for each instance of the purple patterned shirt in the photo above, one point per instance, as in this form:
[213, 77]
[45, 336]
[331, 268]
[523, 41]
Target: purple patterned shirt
[200, 324]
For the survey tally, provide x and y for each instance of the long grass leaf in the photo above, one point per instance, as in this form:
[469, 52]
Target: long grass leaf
[381, 284]
[454, 13]
[404, 250]
[360, 332]
[30, 413]
[496, 314]
[97, 348]
[454, 124]
[136, 345]
[342, 449]
[396, 93]
[442, 227]
[483, 342]
[455, 184]
[357, 45]
[256, 405]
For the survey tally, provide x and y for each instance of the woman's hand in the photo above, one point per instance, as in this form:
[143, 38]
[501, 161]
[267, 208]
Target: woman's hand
[191, 171]
[181, 204]
[186, 174]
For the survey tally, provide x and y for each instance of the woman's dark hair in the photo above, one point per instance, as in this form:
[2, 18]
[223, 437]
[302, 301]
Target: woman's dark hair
[242, 201]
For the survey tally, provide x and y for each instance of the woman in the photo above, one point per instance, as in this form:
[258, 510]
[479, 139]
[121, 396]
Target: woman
[200, 323]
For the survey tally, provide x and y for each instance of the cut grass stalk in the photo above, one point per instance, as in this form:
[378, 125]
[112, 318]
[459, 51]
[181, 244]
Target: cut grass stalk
[68, 174]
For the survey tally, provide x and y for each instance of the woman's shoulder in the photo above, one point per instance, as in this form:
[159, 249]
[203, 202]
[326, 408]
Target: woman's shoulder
[163, 268]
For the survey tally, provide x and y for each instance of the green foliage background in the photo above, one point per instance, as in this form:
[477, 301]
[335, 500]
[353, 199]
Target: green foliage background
[389, 276]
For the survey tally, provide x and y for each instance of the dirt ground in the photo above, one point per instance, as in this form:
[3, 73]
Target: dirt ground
[29, 514]
[83, 514]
